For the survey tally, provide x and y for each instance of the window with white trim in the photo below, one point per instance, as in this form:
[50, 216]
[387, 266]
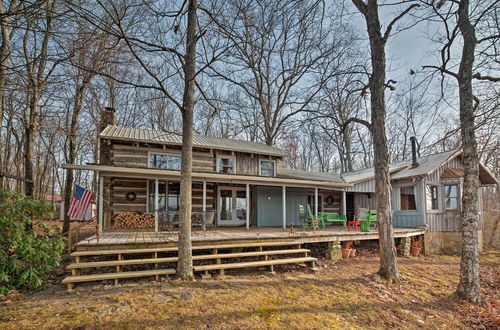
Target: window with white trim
[451, 197]
[164, 161]
[226, 164]
[268, 168]
[432, 197]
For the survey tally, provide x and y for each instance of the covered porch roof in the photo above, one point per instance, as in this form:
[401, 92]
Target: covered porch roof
[203, 176]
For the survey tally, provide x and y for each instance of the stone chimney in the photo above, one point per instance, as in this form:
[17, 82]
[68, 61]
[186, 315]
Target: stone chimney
[414, 162]
[108, 117]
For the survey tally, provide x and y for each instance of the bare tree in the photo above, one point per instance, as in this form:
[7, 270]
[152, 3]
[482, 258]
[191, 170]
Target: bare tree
[278, 57]
[466, 20]
[377, 85]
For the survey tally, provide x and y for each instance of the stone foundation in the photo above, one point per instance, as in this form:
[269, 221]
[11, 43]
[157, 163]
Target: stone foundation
[404, 246]
[447, 242]
[334, 251]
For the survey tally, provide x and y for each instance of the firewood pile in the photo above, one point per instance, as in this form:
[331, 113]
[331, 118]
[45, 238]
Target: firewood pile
[133, 220]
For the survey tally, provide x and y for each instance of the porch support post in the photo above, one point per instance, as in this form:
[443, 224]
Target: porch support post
[344, 205]
[284, 206]
[248, 206]
[316, 202]
[156, 205]
[101, 208]
[204, 196]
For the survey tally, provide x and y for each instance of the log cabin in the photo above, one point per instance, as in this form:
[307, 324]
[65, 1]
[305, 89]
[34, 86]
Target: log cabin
[246, 184]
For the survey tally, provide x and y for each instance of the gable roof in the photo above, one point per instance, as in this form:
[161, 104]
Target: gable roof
[309, 175]
[123, 133]
[368, 173]
[426, 164]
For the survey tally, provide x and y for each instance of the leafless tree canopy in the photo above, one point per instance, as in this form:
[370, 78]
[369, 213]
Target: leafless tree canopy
[288, 74]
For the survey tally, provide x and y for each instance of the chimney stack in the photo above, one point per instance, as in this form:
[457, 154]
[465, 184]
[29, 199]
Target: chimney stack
[414, 162]
[108, 117]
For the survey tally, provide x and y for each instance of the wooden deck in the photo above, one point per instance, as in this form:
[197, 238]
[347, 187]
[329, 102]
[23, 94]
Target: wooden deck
[118, 239]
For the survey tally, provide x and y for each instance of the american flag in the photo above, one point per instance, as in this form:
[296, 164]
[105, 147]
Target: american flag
[80, 203]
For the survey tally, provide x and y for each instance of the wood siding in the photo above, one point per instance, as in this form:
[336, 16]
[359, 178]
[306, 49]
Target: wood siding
[132, 156]
[336, 206]
[363, 186]
[447, 220]
[121, 186]
[204, 160]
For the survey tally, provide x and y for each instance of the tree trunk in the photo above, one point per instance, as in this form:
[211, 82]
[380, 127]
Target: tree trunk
[68, 186]
[185, 262]
[388, 263]
[30, 130]
[469, 286]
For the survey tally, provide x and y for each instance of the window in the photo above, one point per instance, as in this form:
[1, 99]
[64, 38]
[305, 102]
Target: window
[407, 198]
[225, 164]
[267, 168]
[165, 161]
[432, 197]
[168, 199]
[451, 197]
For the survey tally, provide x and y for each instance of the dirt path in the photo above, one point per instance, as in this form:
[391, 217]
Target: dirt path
[339, 295]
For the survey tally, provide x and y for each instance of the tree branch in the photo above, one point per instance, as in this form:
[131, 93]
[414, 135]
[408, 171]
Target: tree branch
[356, 120]
[397, 18]
[478, 76]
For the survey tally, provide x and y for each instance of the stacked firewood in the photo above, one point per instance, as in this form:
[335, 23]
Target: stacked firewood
[133, 220]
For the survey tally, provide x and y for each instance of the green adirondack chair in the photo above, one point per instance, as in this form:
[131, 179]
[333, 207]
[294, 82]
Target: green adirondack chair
[369, 220]
[303, 217]
[315, 221]
[306, 219]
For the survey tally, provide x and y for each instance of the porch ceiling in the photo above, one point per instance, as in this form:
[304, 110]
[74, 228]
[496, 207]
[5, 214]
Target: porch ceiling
[149, 173]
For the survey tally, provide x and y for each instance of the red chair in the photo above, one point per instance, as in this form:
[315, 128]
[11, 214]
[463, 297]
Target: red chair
[354, 223]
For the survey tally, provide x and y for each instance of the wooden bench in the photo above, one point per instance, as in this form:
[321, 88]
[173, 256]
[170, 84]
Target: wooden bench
[333, 217]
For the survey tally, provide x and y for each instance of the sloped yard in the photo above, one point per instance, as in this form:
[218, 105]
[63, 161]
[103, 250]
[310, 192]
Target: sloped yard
[341, 295]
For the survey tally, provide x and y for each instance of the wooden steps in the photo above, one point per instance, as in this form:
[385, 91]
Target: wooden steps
[70, 280]
[255, 264]
[174, 248]
[113, 263]
[282, 251]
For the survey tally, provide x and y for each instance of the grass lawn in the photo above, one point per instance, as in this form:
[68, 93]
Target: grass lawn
[340, 295]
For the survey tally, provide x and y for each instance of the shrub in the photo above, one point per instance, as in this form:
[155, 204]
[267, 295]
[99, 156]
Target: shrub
[26, 254]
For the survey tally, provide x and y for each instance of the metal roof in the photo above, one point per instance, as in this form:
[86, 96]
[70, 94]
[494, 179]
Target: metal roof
[155, 136]
[211, 177]
[368, 173]
[309, 175]
[402, 170]
[426, 164]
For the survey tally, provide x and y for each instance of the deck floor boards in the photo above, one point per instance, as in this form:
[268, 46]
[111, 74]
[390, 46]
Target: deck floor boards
[224, 234]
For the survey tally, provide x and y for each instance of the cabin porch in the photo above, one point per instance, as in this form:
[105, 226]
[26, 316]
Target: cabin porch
[137, 238]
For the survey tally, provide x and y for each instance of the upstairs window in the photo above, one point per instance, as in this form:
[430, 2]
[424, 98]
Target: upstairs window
[226, 164]
[267, 168]
[451, 197]
[432, 197]
[164, 161]
[407, 198]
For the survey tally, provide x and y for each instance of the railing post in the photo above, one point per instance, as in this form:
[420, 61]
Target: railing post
[248, 207]
[156, 205]
[316, 202]
[284, 206]
[101, 201]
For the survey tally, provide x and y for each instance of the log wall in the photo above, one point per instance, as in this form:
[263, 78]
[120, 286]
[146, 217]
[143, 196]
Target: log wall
[121, 186]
